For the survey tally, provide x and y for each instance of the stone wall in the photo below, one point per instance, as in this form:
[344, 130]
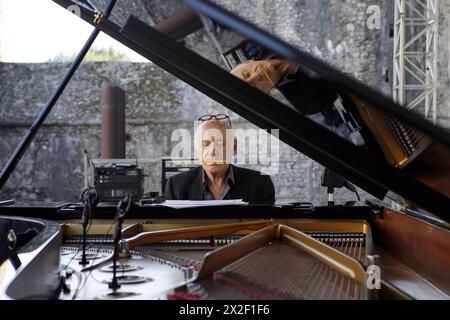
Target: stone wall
[443, 101]
[158, 103]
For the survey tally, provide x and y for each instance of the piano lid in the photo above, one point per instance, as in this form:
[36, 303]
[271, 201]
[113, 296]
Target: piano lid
[400, 152]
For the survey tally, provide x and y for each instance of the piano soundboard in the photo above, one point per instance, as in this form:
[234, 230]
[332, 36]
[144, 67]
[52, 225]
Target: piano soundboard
[284, 267]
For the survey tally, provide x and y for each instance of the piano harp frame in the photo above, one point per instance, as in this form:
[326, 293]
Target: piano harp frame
[140, 234]
[260, 233]
[223, 256]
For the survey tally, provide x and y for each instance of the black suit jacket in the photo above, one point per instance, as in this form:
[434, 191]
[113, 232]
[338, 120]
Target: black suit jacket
[307, 92]
[249, 185]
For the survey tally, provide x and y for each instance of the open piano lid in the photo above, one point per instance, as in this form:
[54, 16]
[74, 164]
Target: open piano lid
[425, 186]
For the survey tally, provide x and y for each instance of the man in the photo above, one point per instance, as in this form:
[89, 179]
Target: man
[216, 178]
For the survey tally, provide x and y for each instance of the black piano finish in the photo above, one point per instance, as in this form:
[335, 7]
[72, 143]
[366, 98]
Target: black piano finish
[65, 211]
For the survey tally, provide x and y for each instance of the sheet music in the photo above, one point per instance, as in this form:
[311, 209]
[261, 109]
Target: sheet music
[177, 204]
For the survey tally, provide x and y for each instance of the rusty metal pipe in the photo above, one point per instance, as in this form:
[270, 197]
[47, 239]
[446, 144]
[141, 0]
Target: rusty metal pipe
[113, 121]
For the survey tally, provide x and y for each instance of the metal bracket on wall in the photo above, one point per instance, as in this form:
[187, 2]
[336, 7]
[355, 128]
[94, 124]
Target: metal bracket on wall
[99, 17]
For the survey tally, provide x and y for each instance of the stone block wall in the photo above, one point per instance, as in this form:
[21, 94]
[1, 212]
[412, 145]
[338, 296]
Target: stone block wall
[157, 104]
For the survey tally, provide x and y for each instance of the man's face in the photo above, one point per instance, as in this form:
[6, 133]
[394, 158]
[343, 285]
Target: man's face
[259, 74]
[212, 148]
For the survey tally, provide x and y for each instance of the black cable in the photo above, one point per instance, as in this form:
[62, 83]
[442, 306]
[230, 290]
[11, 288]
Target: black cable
[351, 187]
[93, 262]
[122, 209]
[71, 259]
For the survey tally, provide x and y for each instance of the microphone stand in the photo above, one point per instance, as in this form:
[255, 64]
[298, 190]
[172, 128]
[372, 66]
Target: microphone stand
[12, 244]
[89, 199]
[331, 180]
[122, 209]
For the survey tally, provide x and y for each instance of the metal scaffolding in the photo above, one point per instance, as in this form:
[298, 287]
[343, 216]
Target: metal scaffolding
[415, 55]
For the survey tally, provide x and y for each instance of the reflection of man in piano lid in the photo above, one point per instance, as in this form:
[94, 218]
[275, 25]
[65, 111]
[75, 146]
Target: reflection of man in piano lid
[264, 74]
[217, 178]
[303, 88]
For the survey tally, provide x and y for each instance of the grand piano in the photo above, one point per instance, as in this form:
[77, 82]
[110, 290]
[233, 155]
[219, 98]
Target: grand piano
[394, 245]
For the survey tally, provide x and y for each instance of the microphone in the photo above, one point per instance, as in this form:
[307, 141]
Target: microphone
[122, 209]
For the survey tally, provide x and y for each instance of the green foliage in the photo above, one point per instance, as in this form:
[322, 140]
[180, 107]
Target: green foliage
[93, 55]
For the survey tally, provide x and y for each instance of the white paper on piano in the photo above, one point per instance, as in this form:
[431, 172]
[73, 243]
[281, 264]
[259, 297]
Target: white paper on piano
[177, 204]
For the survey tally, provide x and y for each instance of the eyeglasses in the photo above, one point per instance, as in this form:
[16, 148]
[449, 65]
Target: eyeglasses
[218, 117]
